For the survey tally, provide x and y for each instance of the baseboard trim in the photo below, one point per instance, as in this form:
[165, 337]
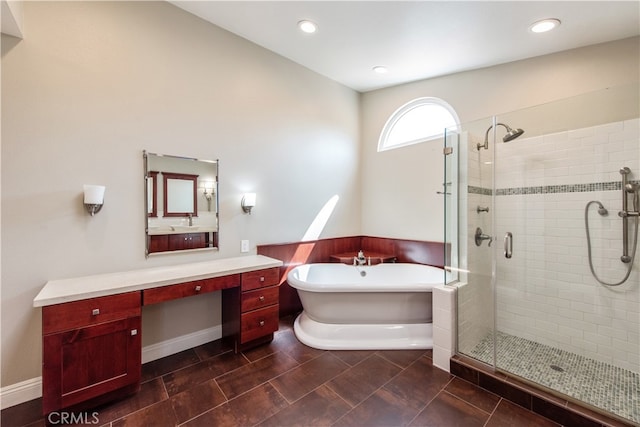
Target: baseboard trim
[30, 389]
[21, 392]
[181, 343]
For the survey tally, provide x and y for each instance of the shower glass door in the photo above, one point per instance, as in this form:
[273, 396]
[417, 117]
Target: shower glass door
[517, 212]
[469, 211]
[555, 325]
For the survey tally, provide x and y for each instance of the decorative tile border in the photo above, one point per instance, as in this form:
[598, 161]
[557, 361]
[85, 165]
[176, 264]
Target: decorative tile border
[549, 189]
[479, 190]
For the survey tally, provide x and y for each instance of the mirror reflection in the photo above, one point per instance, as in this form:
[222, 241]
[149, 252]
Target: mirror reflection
[180, 194]
[181, 202]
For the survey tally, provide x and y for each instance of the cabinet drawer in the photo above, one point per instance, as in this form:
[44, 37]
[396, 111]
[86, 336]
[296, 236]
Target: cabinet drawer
[260, 278]
[187, 289]
[258, 323]
[259, 298]
[70, 315]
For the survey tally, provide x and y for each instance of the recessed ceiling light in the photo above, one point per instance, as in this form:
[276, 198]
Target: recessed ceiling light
[380, 69]
[544, 25]
[307, 26]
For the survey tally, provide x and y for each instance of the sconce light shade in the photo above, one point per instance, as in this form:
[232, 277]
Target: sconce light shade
[248, 202]
[207, 192]
[93, 198]
[207, 189]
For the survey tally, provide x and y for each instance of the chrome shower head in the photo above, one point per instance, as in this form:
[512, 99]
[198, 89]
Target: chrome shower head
[602, 210]
[510, 136]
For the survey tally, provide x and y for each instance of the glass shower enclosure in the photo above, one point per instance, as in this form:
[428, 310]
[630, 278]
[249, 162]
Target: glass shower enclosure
[538, 203]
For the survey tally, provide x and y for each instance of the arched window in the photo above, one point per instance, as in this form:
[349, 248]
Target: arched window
[420, 120]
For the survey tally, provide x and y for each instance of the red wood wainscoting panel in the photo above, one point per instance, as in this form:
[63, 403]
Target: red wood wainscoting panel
[293, 254]
[413, 251]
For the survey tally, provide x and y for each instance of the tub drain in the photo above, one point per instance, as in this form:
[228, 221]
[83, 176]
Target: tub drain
[556, 368]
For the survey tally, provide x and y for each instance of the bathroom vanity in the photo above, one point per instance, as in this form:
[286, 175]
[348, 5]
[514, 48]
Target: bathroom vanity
[91, 334]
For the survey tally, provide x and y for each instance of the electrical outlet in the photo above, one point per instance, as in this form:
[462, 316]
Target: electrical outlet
[244, 246]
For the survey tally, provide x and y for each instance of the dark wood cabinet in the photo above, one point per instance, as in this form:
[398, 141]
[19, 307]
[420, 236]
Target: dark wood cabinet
[90, 348]
[251, 311]
[158, 243]
[177, 242]
[187, 241]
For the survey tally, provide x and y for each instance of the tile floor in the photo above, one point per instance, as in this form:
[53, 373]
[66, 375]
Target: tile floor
[286, 383]
[611, 388]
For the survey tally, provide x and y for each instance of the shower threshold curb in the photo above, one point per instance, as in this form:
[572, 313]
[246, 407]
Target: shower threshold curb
[530, 397]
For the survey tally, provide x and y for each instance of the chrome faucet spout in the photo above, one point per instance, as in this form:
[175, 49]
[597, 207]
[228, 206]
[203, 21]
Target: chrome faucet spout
[190, 219]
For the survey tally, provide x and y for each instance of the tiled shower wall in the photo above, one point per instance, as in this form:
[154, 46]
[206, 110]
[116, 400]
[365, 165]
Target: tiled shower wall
[546, 292]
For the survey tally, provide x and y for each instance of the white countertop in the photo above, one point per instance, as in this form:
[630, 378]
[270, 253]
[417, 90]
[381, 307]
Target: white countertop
[79, 288]
[159, 231]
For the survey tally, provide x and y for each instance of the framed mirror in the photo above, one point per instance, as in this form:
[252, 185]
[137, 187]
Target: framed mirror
[152, 193]
[181, 203]
[180, 194]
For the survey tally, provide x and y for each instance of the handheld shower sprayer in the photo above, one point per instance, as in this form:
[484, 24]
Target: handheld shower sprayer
[626, 215]
[635, 190]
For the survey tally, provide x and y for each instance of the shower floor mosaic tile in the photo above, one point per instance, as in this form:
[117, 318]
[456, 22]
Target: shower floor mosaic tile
[596, 383]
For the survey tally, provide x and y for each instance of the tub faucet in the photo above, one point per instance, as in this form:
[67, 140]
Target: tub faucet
[360, 259]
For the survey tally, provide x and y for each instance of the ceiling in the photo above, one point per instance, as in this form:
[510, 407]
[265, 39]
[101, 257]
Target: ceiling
[416, 39]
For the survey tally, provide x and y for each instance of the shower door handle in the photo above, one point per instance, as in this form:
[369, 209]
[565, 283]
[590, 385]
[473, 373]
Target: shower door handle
[508, 245]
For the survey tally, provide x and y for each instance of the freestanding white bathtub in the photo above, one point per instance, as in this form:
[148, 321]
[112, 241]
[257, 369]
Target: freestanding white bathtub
[380, 307]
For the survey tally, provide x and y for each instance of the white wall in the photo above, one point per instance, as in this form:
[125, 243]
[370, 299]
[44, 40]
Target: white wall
[399, 186]
[93, 84]
[11, 14]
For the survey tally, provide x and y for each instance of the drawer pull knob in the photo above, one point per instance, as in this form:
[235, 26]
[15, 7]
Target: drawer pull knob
[262, 323]
[95, 311]
[198, 288]
[134, 332]
[262, 278]
[261, 298]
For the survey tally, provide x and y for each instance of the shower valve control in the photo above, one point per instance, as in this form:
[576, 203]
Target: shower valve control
[480, 237]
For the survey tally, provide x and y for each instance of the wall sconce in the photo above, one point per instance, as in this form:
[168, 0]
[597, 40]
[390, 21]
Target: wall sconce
[93, 198]
[207, 192]
[248, 202]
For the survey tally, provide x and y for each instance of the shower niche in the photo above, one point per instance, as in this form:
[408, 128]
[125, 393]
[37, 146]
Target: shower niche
[528, 304]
